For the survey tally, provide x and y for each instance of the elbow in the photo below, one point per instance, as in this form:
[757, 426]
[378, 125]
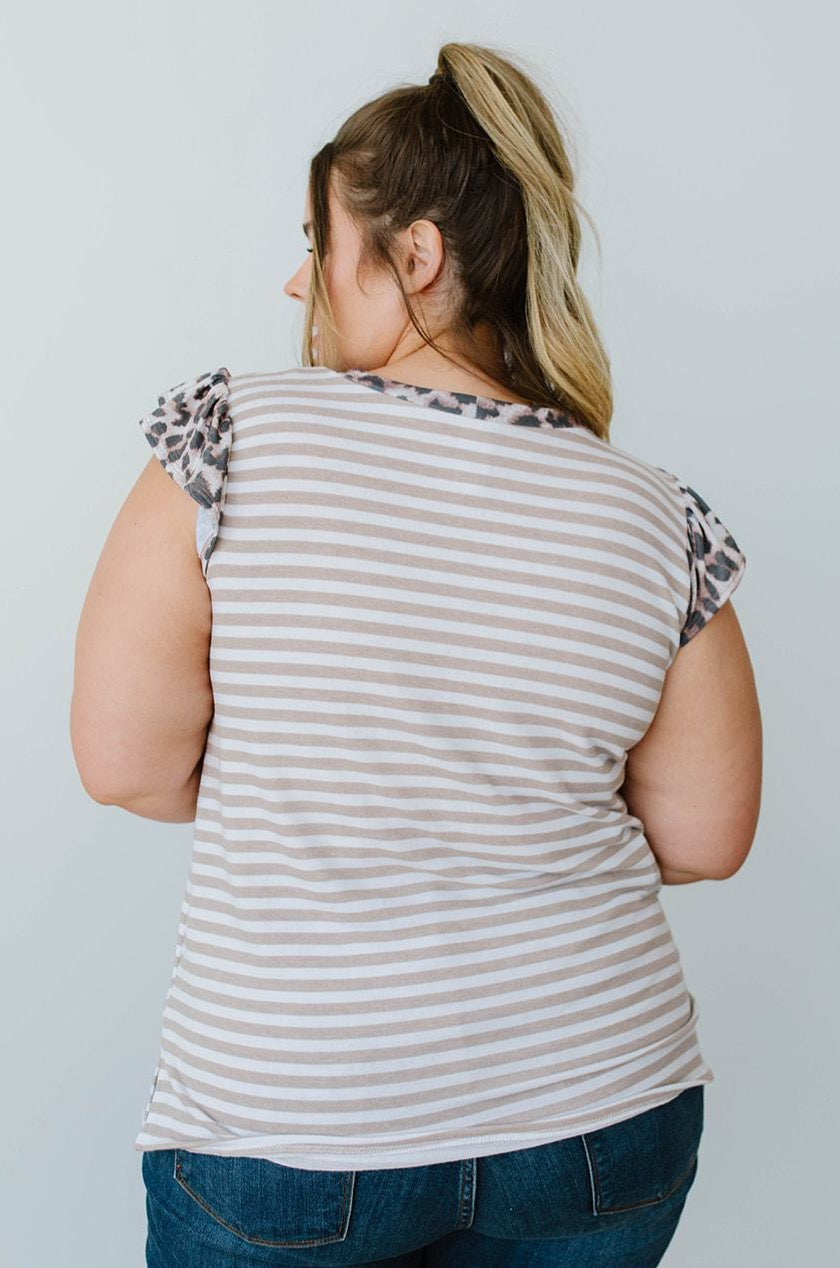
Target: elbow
[87, 755]
[732, 862]
[92, 770]
[118, 768]
[99, 778]
[89, 776]
[98, 788]
[173, 806]
[101, 798]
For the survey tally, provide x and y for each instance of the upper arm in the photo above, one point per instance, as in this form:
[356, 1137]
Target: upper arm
[694, 779]
[141, 690]
[142, 696]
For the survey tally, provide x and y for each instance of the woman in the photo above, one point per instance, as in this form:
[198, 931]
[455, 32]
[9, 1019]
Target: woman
[431, 664]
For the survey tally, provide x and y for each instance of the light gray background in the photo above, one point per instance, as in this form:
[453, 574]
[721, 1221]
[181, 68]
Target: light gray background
[155, 164]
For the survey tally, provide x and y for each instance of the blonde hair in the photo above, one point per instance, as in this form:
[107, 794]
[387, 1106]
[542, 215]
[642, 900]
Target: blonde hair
[478, 151]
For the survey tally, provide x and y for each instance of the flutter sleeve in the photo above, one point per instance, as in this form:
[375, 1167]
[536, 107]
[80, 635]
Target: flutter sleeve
[190, 433]
[716, 562]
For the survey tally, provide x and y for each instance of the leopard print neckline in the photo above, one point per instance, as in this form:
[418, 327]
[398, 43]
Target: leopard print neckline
[467, 403]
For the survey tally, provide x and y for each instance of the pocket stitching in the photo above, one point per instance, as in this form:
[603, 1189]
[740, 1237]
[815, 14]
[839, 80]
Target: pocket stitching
[347, 1179]
[595, 1188]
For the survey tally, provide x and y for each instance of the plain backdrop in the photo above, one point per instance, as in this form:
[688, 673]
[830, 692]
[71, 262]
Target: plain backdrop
[155, 158]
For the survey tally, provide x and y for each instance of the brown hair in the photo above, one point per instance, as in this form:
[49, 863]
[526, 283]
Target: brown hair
[478, 151]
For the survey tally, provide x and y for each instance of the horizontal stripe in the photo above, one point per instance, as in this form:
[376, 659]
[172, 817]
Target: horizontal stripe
[420, 923]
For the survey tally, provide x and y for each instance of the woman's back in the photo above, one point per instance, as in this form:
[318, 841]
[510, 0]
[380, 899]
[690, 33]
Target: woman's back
[421, 922]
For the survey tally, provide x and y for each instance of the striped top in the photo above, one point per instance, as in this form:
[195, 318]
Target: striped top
[420, 923]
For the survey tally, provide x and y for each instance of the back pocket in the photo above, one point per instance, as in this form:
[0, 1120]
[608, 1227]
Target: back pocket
[267, 1203]
[644, 1159]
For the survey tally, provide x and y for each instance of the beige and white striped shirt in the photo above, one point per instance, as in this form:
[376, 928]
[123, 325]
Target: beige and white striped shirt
[420, 923]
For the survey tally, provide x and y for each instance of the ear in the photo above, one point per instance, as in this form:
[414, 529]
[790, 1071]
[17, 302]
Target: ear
[424, 254]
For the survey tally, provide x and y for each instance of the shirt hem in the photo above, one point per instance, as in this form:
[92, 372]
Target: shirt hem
[360, 1156]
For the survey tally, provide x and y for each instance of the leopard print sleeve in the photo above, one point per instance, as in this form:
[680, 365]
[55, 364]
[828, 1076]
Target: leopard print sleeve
[190, 433]
[715, 560]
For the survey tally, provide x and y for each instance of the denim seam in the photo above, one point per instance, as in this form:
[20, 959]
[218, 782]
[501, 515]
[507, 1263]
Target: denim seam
[261, 1241]
[590, 1166]
[466, 1196]
[598, 1209]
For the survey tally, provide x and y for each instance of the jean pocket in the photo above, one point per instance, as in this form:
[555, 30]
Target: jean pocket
[267, 1203]
[644, 1159]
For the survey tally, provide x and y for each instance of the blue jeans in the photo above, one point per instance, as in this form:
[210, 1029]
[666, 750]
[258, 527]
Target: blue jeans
[613, 1196]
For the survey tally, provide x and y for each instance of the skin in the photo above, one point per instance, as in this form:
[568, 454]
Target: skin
[707, 733]
[142, 697]
[375, 332]
[139, 719]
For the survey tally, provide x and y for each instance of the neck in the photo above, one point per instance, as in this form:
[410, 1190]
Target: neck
[426, 367]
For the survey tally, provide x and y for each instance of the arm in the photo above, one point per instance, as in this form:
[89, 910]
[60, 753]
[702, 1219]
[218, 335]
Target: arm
[694, 779]
[142, 696]
[178, 807]
[671, 876]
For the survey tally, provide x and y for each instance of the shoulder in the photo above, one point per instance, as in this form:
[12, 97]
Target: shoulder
[712, 561]
[716, 562]
[293, 382]
[190, 433]
[640, 485]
